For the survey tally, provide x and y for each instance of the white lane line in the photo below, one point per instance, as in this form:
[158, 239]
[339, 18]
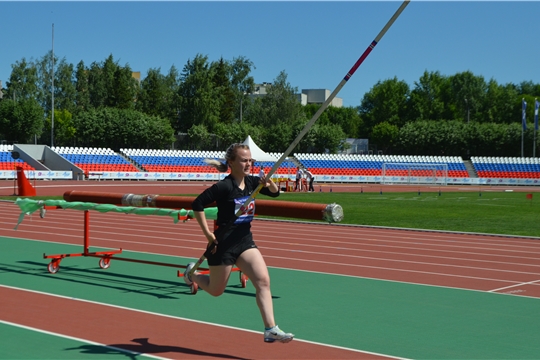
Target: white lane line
[516, 285]
[129, 352]
[184, 319]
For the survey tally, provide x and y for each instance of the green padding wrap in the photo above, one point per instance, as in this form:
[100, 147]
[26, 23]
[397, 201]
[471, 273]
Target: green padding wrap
[29, 206]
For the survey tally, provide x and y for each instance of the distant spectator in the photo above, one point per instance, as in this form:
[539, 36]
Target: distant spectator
[299, 175]
[310, 178]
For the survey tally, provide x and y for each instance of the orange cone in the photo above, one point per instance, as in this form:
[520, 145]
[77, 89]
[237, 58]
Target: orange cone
[24, 186]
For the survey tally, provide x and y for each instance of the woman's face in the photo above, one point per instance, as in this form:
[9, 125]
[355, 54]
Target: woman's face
[241, 165]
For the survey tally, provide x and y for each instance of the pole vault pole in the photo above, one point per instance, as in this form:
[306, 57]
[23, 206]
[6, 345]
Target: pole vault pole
[308, 126]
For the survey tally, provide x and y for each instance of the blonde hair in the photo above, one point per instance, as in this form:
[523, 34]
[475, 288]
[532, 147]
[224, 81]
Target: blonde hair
[230, 155]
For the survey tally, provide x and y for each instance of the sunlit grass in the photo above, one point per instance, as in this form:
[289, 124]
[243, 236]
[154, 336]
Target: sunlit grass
[495, 213]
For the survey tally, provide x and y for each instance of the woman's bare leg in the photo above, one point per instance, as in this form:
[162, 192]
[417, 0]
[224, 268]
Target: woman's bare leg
[252, 264]
[216, 282]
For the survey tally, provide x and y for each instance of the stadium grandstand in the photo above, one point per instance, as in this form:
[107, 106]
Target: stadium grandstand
[189, 161]
[372, 165]
[189, 165]
[7, 163]
[497, 167]
[95, 159]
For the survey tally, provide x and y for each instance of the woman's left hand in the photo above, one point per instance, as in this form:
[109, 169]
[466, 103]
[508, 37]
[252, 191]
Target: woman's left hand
[265, 182]
[268, 183]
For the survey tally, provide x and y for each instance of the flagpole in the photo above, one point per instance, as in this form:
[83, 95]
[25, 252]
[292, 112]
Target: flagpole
[536, 105]
[523, 123]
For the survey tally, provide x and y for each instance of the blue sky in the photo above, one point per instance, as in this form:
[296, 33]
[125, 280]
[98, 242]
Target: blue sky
[315, 43]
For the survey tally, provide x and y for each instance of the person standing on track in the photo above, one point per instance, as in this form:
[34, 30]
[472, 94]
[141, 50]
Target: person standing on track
[236, 246]
[299, 175]
[310, 178]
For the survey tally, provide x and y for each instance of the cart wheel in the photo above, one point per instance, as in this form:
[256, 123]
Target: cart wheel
[243, 280]
[53, 267]
[194, 288]
[104, 263]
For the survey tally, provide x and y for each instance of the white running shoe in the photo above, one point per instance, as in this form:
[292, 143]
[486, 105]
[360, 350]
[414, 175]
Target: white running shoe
[276, 334]
[187, 278]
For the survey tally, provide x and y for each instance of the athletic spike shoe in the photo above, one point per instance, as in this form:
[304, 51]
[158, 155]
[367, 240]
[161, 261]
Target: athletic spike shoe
[187, 278]
[276, 334]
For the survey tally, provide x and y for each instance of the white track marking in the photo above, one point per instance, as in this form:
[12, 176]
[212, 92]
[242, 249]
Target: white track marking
[516, 285]
[182, 319]
[79, 339]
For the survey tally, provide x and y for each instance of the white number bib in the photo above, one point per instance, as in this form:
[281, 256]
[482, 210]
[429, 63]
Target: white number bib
[247, 213]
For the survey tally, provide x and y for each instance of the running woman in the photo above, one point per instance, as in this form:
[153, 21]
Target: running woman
[236, 246]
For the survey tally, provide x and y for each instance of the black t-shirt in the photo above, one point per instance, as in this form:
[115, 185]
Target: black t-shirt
[229, 197]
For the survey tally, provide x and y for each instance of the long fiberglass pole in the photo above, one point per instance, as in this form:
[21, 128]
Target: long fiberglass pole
[328, 101]
[308, 126]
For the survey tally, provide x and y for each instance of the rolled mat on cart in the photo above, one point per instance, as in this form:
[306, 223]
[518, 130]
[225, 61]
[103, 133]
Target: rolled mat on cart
[288, 209]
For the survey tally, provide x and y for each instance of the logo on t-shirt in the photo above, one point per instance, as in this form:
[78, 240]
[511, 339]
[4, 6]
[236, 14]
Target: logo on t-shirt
[247, 213]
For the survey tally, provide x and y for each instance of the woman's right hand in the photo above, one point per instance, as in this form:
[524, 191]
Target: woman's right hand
[212, 240]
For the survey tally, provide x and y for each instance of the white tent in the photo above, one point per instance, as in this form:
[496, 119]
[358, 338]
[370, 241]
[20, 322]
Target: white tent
[257, 153]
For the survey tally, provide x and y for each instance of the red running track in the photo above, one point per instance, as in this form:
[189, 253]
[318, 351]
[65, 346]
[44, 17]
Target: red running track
[466, 261]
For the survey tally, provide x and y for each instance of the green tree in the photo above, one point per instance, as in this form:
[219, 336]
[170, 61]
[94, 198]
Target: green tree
[125, 88]
[236, 133]
[122, 128]
[346, 117]
[111, 85]
[200, 138]
[200, 104]
[152, 97]
[64, 129]
[384, 135]
[65, 91]
[119, 88]
[20, 120]
[528, 88]
[277, 137]
[418, 137]
[425, 101]
[173, 104]
[467, 95]
[279, 113]
[224, 91]
[158, 94]
[280, 104]
[97, 91]
[44, 67]
[22, 83]
[328, 137]
[107, 72]
[82, 96]
[385, 102]
[241, 82]
[499, 103]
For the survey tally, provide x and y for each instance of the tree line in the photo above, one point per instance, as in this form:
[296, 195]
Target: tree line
[210, 104]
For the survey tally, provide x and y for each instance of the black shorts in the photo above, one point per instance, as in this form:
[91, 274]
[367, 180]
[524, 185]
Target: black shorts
[228, 253]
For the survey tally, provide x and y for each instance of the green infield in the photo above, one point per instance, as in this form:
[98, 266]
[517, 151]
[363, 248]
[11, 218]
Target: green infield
[509, 213]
